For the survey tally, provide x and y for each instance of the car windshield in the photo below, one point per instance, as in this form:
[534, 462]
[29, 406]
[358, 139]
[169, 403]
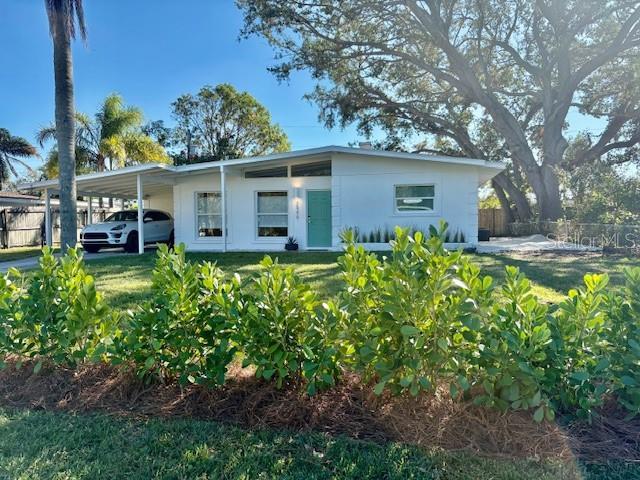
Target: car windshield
[126, 216]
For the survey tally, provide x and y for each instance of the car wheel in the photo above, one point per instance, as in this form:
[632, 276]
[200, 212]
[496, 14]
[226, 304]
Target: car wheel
[172, 240]
[91, 248]
[132, 243]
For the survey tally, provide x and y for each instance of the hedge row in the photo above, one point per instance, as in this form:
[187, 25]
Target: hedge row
[421, 318]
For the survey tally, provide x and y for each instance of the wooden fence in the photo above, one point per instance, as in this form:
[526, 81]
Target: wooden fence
[24, 226]
[494, 221]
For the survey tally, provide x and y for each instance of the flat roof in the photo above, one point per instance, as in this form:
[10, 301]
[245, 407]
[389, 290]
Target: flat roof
[122, 182]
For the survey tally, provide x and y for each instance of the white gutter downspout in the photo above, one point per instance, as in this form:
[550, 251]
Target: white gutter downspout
[140, 215]
[223, 195]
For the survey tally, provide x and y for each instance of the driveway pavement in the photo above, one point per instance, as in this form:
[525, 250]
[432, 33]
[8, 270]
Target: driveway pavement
[32, 262]
[532, 243]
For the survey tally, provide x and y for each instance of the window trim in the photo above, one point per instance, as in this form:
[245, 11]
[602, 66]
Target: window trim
[417, 213]
[196, 215]
[257, 236]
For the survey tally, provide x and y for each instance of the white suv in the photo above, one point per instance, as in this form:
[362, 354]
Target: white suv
[120, 229]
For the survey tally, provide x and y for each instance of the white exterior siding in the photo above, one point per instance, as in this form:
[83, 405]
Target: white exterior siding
[241, 209]
[161, 201]
[364, 195]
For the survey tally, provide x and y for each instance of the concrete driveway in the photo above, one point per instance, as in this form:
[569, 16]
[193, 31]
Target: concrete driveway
[32, 262]
[532, 243]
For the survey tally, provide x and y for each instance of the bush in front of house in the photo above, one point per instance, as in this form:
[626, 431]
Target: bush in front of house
[283, 330]
[421, 318]
[414, 318]
[55, 312]
[184, 330]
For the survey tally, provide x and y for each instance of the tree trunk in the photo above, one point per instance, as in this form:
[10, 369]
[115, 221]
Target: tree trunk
[523, 211]
[65, 130]
[549, 201]
[505, 205]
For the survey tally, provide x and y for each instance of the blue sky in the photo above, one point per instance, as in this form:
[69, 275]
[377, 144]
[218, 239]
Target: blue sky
[150, 51]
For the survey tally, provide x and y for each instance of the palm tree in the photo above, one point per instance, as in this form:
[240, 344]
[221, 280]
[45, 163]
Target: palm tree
[63, 15]
[11, 149]
[114, 135]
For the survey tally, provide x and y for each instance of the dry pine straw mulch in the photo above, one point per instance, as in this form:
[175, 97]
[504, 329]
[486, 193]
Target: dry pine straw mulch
[350, 408]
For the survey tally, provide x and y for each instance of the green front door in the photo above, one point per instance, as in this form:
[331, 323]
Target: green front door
[318, 218]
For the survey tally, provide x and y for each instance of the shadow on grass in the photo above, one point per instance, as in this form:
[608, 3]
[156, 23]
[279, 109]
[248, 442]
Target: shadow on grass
[54, 445]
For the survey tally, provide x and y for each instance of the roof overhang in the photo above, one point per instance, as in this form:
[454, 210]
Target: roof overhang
[122, 183]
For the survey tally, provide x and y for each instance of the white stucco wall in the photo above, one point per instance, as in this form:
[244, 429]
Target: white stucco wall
[160, 201]
[363, 194]
[362, 191]
[241, 209]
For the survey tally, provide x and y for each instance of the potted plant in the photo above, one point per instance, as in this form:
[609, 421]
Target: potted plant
[291, 245]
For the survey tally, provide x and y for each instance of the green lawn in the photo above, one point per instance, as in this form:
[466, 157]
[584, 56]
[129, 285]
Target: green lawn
[44, 445]
[125, 280]
[40, 445]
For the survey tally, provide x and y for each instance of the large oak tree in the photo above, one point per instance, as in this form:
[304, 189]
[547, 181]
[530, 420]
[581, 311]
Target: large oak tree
[485, 78]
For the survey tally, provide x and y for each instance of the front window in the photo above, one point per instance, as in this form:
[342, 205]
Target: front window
[209, 214]
[275, 172]
[123, 216]
[415, 198]
[316, 169]
[272, 213]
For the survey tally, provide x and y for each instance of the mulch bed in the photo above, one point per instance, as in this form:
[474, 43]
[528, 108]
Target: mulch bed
[349, 409]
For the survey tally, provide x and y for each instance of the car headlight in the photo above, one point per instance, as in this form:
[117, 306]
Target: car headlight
[118, 227]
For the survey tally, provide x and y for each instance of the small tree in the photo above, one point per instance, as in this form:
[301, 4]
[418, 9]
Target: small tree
[220, 122]
[114, 135]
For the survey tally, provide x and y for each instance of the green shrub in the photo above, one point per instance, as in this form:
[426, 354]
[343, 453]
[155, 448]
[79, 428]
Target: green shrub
[514, 365]
[10, 293]
[582, 347]
[183, 331]
[55, 312]
[625, 342]
[413, 318]
[282, 331]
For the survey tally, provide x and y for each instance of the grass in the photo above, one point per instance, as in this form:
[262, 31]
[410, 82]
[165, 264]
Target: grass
[126, 280]
[42, 445]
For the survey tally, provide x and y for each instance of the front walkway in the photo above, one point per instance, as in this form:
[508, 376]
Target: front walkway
[532, 243]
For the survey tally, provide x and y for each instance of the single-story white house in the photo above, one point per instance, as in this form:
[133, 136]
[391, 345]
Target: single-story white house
[313, 195]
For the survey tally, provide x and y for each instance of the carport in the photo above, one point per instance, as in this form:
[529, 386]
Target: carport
[138, 182]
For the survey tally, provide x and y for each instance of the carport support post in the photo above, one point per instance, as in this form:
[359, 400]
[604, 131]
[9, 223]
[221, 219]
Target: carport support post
[140, 215]
[223, 201]
[90, 211]
[48, 233]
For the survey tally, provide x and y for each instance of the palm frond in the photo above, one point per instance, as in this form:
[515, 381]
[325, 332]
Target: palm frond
[15, 146]
[72, 11]
[141, 148]
[45, 135]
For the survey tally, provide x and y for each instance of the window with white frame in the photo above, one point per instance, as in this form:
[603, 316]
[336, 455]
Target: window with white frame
[272, 210]
[415, 198]
[209, 214]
